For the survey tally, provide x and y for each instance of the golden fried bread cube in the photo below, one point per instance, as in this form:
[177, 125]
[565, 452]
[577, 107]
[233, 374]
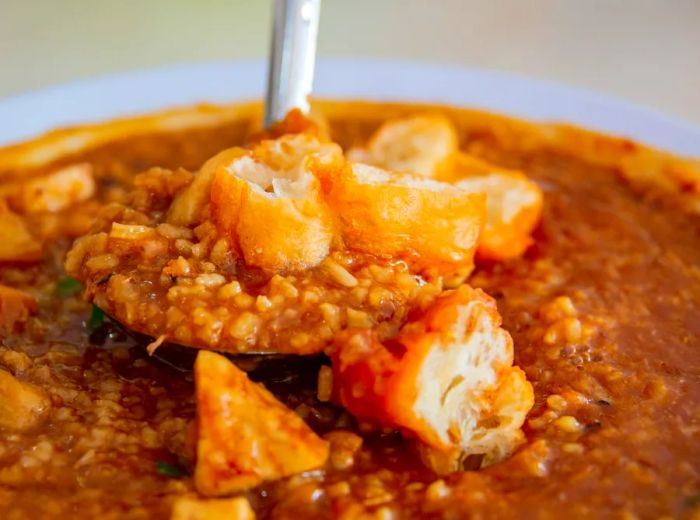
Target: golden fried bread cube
[513, 205]
[191, 508]
[271, 207]
[430, 224]
[245, 435]
[189, 203]
[447, 378]
[418, 144]
[427, 145]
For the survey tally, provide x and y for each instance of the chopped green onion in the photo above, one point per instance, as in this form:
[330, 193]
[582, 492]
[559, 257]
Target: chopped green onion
[68, 286]
[169, 470]
[97, 318]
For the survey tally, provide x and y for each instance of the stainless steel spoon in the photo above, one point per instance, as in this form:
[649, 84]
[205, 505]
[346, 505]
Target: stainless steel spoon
[292, 57]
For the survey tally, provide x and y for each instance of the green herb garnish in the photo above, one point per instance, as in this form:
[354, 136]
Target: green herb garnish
[97, 318]
[68, 286]
[169, 470]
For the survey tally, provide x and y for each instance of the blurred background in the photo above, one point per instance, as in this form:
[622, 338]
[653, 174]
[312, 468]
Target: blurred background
[647, 51]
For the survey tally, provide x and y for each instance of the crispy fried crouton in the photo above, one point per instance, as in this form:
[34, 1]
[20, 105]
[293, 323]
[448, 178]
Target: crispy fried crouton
[417, 144]
[245, 435]
[447, 377]
[271, 207]
[187, 206]
[298, 227]
[513, 205]
[190, 508]
[430, 224]
[428, 146]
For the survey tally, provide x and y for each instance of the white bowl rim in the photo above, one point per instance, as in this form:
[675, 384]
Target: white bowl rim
[93, 99]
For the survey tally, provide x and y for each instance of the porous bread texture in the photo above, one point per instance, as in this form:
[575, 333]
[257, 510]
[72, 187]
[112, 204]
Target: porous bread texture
[429, 224]
[470, 393]
[187, 206]
[270, 205]
[268, 201]
[427, 145]
[419, 144]
[513, 205]
[447, 378]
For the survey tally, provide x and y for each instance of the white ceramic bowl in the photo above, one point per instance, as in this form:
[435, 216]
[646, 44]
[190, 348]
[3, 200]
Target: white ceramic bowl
[100, 98]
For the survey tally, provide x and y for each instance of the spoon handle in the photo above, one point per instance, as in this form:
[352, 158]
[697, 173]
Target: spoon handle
[292, 57]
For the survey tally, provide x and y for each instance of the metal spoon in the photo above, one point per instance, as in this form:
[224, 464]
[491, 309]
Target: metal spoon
[292, 57]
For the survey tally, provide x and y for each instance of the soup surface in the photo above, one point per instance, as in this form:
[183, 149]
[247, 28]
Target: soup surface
[604, 311]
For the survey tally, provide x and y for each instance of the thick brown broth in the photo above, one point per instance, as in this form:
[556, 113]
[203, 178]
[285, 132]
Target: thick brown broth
[605, 315]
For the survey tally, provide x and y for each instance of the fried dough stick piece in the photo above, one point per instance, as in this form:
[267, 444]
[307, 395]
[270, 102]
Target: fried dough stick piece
[513, 205]
[447, 378]
[420, 144]
[187, 207]
[270, 204]
[428, 145]
[430, 224]
[245, 435]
